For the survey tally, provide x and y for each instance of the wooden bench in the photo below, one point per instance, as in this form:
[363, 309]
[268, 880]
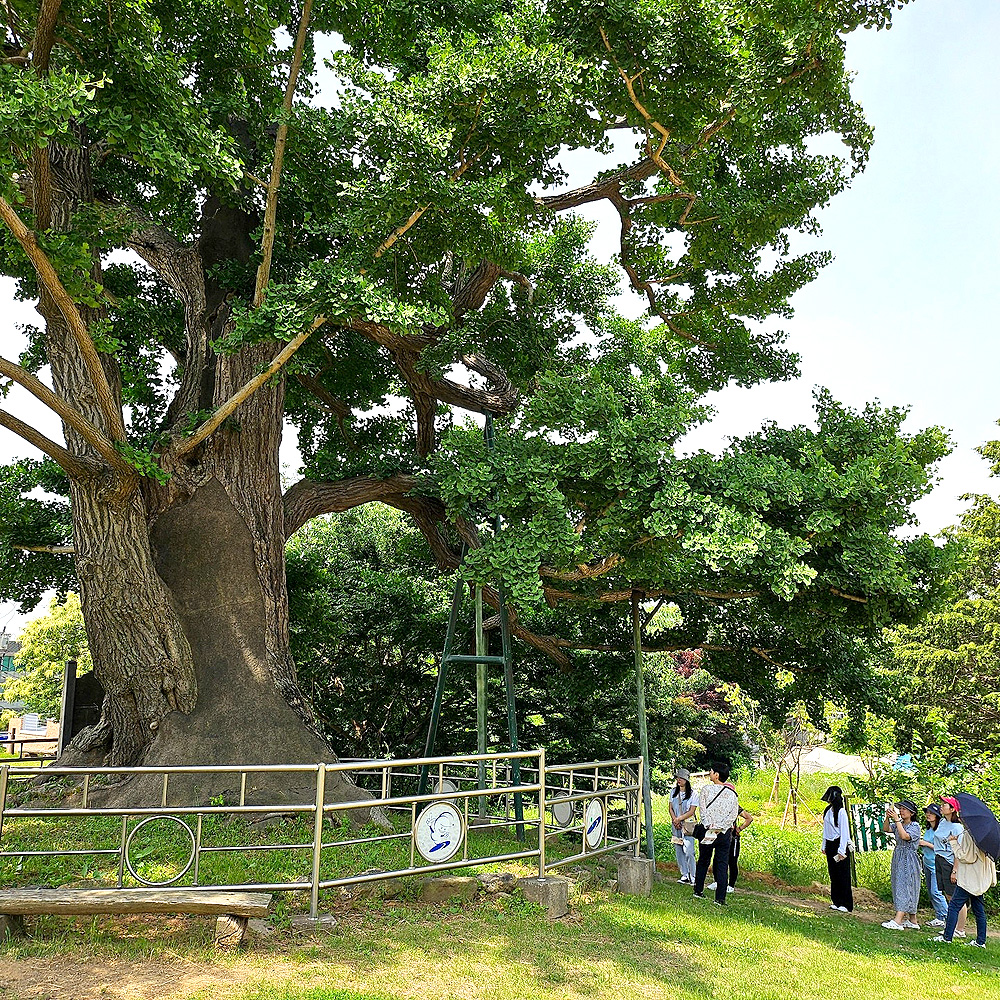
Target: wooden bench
[234, 908]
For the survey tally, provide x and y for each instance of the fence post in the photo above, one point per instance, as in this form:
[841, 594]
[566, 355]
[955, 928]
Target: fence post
[541, 813]
[637, 800]
[317, 838]
[3, 794]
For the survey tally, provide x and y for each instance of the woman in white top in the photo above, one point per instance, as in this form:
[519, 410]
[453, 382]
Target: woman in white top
[682, 802]
[836, 847]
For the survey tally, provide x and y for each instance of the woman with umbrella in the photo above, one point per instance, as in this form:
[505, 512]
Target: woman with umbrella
[976, 850]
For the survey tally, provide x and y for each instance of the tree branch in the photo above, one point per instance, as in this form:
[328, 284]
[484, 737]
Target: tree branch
[614, 596]
[227, 408]
[406, 352]
[71, 314]
[309, 498]
[72, 465]
[57, 550]
[91, 434]
[41, 50]
[271, 212]
[599, 189]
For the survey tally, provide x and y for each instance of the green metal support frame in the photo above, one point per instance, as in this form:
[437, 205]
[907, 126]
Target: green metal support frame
[640, 705]
[482, 659]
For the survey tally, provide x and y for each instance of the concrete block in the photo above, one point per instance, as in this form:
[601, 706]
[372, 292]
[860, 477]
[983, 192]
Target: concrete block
[552, 892]
[635, 875]
[447, 888]
[303, 922]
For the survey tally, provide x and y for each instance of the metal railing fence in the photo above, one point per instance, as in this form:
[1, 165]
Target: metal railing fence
[597, 802]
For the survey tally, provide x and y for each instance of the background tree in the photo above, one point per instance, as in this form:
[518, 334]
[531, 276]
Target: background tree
[46, 644]
[368, 261]
[948, 664]
[369, 612]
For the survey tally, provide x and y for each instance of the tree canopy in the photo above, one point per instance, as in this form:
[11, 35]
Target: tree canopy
[360, 217]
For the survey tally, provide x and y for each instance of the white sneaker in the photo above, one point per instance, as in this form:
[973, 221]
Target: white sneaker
[941, 939]
[974, 944]
[911, 926]
[714, 885]
[843, 909]
[682, 879]
[936, 922]
[891, 925]
[730, 888]
[960, 934]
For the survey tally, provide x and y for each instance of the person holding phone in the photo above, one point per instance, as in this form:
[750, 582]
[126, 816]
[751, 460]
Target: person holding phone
[904, 872]
[837, 846]
[682, 805]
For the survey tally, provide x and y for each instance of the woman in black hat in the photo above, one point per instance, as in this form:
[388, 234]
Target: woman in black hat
[904, 872]
[939, 902]
[836, 847]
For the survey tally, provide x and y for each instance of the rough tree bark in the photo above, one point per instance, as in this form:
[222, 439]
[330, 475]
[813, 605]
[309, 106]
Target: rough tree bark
[183, 584]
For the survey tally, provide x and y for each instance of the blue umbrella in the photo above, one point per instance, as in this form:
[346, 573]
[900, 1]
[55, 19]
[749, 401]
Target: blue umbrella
[983, 826]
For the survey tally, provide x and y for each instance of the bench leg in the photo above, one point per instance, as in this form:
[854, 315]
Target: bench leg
[229, 931]
[11, 926]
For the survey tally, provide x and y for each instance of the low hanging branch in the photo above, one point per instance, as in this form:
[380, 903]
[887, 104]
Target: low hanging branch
[55, 550]
[91, 434]
[71, 314]
[71, 464]
[271, 212]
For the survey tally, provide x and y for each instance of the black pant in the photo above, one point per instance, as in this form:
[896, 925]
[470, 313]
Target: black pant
[716, 853]
[841, 893]
[734, 860]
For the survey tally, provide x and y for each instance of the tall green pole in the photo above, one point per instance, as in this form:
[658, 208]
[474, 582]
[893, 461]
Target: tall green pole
[481, 699]
[640, 704]
[449, 639]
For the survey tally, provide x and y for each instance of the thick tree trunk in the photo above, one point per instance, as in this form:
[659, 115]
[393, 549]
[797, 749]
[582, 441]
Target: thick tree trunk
[214, 555]
[182, 585]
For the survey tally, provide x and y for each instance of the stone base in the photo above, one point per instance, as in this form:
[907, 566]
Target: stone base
[635, 875]
[303, 922]
[552, 892]
[447, 888]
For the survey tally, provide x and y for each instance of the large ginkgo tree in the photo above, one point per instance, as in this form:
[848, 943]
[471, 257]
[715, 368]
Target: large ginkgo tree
[356, 218]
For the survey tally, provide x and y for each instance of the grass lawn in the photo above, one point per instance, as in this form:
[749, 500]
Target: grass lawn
[782, 944]
[669, 945]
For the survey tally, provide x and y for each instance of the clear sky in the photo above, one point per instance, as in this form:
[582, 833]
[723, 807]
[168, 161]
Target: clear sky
[908, 311]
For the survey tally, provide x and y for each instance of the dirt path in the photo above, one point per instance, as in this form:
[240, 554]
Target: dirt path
[67, 978]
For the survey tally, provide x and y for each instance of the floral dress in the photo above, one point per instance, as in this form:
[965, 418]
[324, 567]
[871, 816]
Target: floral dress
[905, 871]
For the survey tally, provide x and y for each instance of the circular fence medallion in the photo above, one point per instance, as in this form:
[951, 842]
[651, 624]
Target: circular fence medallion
[562, 811]
[594, 821]
[160, 852]
[438, 832]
